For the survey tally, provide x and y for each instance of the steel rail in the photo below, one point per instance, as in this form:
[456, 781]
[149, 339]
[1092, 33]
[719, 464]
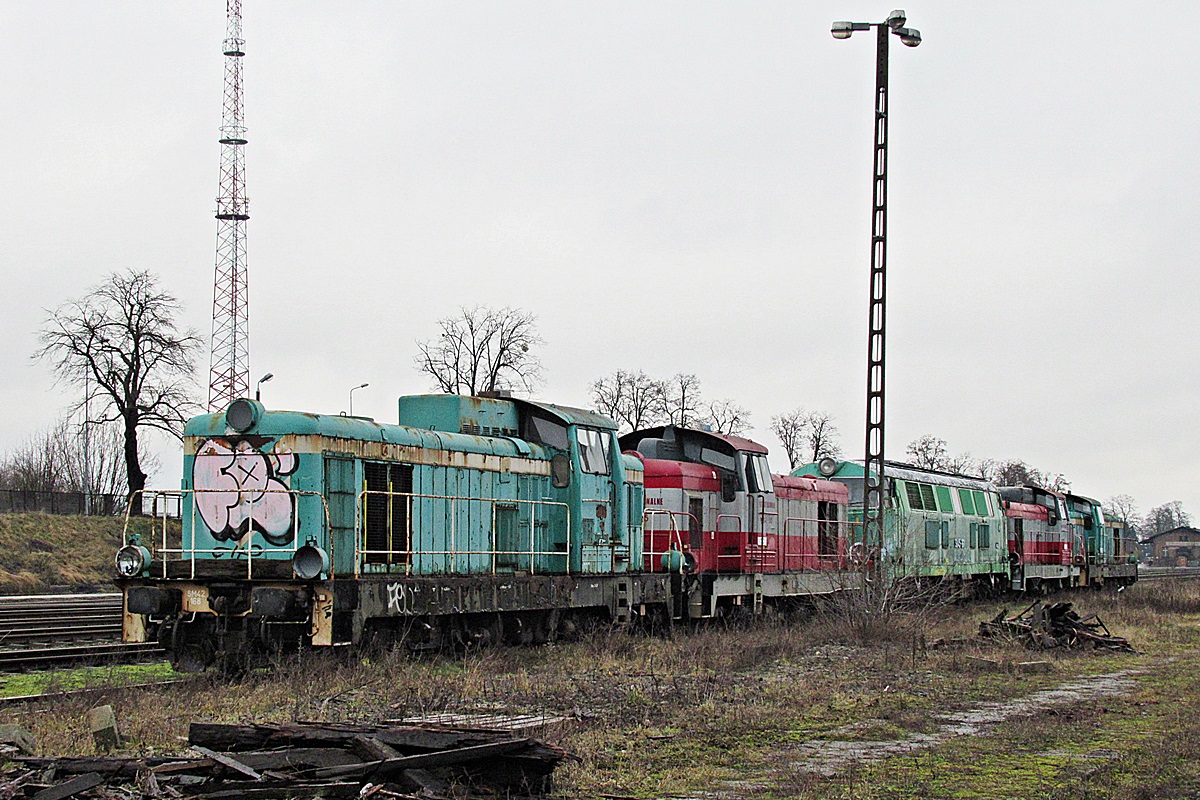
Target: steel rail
[112, 652]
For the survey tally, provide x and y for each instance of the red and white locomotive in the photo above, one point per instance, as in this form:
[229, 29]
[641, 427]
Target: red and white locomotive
[713, 506]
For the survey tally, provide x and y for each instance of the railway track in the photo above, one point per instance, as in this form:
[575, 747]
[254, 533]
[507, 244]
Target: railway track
[106, 653]
[40, 631]
[1168, 573]
[59, 617]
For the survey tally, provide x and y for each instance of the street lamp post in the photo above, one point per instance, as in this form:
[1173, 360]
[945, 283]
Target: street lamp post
[352, 391]
[258, 386]
[87, 443]
[873, 495]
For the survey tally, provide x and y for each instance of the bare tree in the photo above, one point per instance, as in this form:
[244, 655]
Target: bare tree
[36, 466]
[1014, 472]
[822, 436]
[1123, 507]
[1166, 517]
[483, 349]
[726, 416]
[789, 429]
[633, 399]
[121, 344]
[928, 452]
[961, 464]
[804, 434]
[682, 400]
[1010, 472]
[58, 460]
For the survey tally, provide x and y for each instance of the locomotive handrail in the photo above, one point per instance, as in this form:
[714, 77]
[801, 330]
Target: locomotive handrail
[672, 531]
[245, 548]
[361, 551]
[735, 517]
[837, 525]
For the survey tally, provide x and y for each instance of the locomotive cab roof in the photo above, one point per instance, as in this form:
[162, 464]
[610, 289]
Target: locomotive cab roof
[675, 443]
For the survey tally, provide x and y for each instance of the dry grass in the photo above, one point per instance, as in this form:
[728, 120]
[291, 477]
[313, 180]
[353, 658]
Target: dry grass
[729, 710]
[41, 552]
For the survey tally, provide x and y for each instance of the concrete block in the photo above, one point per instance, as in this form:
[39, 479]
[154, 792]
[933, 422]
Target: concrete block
[19, 737]
[103, 723]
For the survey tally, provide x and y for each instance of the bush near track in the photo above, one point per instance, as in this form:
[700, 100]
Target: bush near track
[729, 712]
[44, 553]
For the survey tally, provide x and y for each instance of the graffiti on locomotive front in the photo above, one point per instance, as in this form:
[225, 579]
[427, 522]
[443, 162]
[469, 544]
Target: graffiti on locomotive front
[241, 488]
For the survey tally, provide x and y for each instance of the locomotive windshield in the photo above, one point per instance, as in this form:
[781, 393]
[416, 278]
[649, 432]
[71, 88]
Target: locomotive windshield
[593, 451]
[547, 432]
[758, 474]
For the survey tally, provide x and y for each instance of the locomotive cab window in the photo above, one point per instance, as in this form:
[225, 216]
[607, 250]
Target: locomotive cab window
[547, 432]
[593, 451]
[758, 474]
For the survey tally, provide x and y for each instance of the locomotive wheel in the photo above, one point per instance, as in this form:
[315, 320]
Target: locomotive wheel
[191, 647]
[480, 630]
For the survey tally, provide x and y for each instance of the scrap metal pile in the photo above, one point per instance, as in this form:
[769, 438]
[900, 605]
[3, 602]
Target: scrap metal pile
[1054, 625]
[301, 760]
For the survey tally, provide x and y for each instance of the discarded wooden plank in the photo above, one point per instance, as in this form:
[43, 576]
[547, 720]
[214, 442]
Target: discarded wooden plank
[424, 780]
[237, 738]
[441, 758]
[228, 761]
[177, 766]
[517, 725]
[299, 758]
[372, 749]
[105, 765]
[285, 792]
[80, 783]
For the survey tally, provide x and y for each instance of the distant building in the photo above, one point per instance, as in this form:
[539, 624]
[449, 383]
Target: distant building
[1178, 547]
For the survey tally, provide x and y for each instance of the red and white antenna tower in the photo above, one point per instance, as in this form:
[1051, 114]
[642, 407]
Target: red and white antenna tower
[229, 364]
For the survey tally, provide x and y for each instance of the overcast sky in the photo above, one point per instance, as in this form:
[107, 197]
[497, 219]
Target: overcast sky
[669, 186]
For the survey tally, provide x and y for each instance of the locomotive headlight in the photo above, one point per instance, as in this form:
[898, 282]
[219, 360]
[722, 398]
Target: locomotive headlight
[132, 560]
[242, 414]
[310, 562]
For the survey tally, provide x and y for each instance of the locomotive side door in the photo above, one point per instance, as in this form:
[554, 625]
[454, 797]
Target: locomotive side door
[598, 533]
[760, 512]
[342, 498]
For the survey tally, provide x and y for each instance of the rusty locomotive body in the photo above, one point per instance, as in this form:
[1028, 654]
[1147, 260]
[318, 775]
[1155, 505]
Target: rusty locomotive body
[472, 520]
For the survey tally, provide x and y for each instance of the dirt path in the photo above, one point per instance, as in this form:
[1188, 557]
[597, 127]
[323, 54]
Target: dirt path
[831, 756]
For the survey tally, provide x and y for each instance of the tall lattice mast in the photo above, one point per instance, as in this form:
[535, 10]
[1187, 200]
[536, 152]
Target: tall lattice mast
[229, 365]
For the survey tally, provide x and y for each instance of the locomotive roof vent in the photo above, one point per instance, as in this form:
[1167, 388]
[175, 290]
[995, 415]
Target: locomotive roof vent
[242, 414]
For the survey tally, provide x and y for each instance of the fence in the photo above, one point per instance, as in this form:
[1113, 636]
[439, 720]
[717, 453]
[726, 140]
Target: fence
[18, 501]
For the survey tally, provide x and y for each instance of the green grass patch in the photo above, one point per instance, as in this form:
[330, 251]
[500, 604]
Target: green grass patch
[65, 680]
